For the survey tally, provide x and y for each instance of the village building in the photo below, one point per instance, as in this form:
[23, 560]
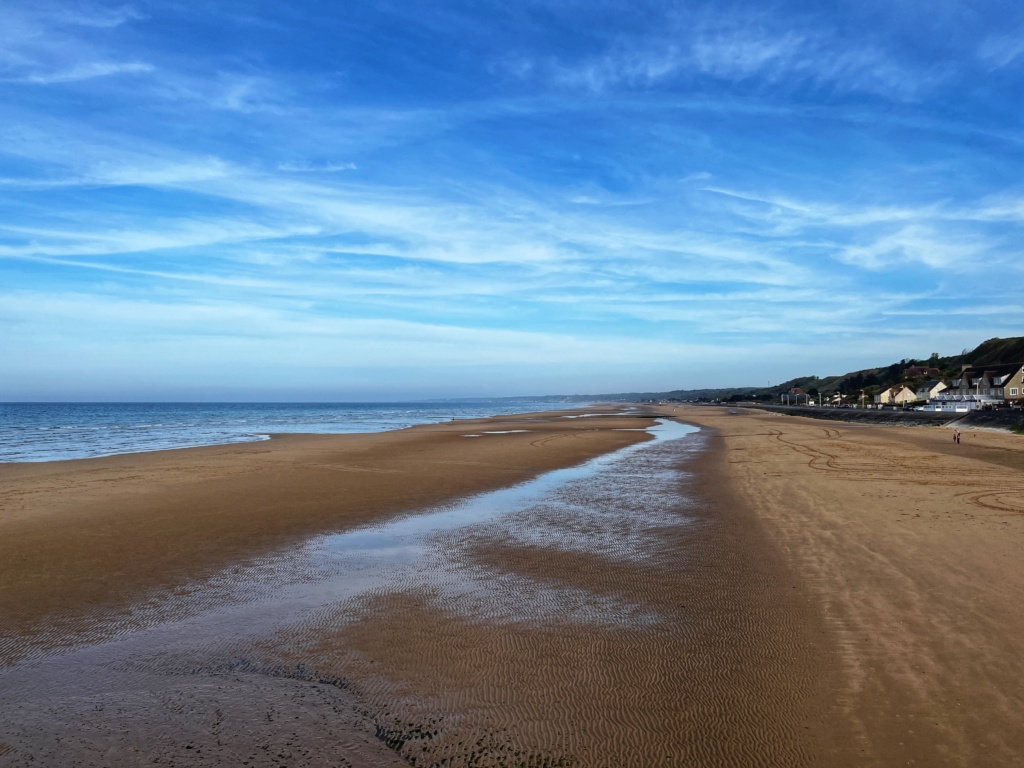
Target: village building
[985, 386]
[930, 389]
[900, 395]
[794, 395]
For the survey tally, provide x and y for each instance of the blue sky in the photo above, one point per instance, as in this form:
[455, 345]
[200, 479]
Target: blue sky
[395, 200]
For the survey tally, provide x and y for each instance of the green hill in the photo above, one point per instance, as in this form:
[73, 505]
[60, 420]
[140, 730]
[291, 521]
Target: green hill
[994, 352]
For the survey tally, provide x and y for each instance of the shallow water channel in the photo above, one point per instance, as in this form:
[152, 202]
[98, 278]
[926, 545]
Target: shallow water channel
[611, 507]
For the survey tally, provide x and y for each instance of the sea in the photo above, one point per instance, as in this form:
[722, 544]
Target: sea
[58, 431]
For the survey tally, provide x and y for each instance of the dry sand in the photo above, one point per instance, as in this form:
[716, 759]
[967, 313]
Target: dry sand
[911, 547]
[771, 591]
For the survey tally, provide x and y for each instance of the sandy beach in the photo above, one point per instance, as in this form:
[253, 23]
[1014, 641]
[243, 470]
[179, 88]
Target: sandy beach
[770, 590]
[909, 544]
[96, 534]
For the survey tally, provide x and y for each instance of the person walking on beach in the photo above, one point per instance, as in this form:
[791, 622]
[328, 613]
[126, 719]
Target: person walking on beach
[956, 436]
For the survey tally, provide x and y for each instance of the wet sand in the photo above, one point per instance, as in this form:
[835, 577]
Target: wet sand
[82, 537]
[701, 650]
[768, 591]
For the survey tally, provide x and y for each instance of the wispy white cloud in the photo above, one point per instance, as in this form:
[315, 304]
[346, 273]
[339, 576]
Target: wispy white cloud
[248, 91]
[996, 207]
[983, 312]
[1002, 50]
[786, 213]
[918, 244]
[95, 15]
[936, 234]
[737, 48]
[151, 237]
[306, 167]
[86, 71]
[43, 44]
[740, 53]
[1005, 208]
[245, 93]
[158, 172]
[760, 312]
[367, 342]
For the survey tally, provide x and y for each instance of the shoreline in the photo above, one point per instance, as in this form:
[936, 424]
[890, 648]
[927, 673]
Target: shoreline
[89, 535]
[46, 432]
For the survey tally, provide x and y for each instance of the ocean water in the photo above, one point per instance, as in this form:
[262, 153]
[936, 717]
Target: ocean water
[54, 431]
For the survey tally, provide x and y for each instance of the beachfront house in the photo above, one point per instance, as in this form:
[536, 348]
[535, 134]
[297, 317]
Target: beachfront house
[930, 389]
[900, 395]
[985, 386]
[794, 395]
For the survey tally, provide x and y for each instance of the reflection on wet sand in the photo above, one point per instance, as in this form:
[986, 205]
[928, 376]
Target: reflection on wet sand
[590, 616]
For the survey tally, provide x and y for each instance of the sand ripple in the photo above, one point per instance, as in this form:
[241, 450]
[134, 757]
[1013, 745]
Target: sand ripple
[616, 616]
